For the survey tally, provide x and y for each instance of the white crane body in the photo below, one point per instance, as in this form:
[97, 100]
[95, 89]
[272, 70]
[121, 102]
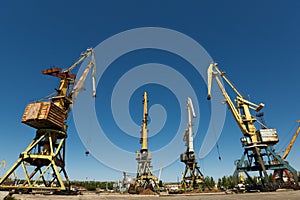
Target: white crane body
[189, 135]
[192, 176]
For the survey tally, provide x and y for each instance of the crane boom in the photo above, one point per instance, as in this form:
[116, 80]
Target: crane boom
[144, 131]
[63, 99]
[191, 107]
[241, 112]
[78, 87]
[288, 149]
[83, 56]
[210, 74]
[188, 137]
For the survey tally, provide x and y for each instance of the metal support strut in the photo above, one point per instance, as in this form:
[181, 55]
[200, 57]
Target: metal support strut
[266, 160]
[43, 163]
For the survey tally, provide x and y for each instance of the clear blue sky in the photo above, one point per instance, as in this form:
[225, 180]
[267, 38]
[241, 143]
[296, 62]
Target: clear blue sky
[257, 43]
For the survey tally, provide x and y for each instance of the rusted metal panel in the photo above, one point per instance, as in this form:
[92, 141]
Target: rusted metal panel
[268, 136]
[43, 115]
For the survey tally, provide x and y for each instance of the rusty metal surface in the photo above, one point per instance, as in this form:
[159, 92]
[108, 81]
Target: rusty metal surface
[43, 115]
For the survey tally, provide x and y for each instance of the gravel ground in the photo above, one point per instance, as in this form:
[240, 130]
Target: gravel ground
[282, 195]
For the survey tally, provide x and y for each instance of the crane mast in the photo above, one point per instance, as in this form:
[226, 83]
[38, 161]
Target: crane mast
[257, 143]
[192, 177]
[46, 153]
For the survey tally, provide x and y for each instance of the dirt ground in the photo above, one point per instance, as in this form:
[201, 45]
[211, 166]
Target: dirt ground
[286, 195]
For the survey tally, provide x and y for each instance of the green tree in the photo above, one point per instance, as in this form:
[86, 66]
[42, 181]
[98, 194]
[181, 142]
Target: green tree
[212, 182]
[219, 183]
[230, 182]
[270, 177]
[224, 182]
[160, 184]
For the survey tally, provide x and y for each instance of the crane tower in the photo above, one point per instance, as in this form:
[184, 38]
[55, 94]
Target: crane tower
[43, 161]
[144, 178]
[192, 176]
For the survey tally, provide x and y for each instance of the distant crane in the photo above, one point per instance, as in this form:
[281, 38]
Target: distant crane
[46, 153]
[3, 164]
[144, 178]
[258, 152]
[123, 186]
[192, 176]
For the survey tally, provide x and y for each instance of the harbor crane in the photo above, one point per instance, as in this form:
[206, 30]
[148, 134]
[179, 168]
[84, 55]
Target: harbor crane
[46, 153]
[259, 155]
[144, 178]
[279, 173]
[192, 176]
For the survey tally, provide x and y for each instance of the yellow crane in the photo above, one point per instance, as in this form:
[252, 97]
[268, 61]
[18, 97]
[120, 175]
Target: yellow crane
[46, 153]
[280, 172]
[144, 178]
[258, 153]
[288, 149]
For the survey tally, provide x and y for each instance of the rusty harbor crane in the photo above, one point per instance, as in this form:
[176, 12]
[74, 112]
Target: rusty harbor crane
[45, 155]
[192, 176]
[259, 155]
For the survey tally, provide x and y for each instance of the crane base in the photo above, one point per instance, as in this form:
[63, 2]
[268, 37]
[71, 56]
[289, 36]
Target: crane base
[43, 163]
[192, 177]
[261, 159]
[145, 178]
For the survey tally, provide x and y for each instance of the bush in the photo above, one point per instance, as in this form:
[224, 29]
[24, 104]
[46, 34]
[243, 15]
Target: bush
[9, 197]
